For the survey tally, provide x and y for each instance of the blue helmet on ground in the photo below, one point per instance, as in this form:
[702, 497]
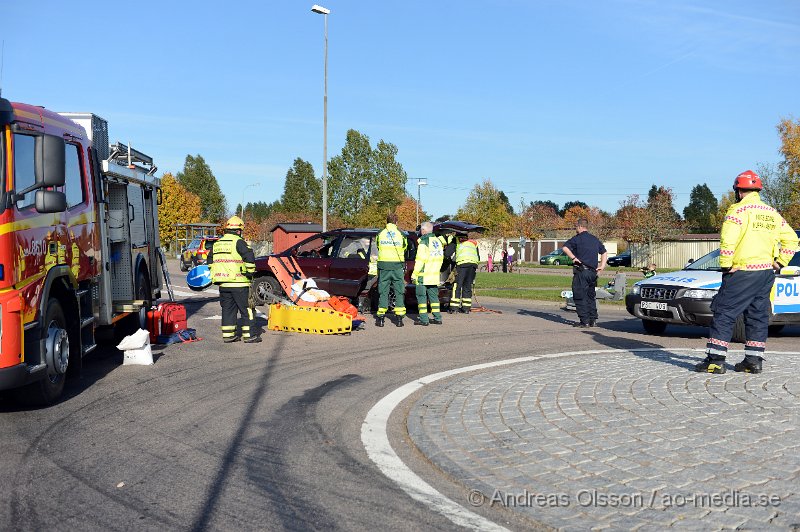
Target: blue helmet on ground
[199, 278]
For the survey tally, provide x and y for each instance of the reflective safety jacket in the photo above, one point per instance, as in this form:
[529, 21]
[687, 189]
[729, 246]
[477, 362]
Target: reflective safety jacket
[428, 264]
[391, 248]
[754, 235]
[467, 253]
[231, 262]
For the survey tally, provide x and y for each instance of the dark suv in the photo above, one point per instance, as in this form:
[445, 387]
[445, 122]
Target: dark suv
[338, 261]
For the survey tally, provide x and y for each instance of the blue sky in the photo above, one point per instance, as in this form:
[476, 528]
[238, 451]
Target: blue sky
[552, 100]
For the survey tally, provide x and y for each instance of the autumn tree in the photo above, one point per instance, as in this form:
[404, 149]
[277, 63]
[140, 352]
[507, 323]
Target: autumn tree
[178, 206]
[485, 206]
[789, 132]
[198, 179]
[725, 202]
[537, 219]
[407, 214]
[547, 203]
[699, 213]
[361, 177]
[664, 197]
[650, 222]
[301, 190]
[568, 205]
[600, 223]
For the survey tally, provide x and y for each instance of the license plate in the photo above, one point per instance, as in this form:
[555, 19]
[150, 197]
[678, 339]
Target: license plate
[653, 305]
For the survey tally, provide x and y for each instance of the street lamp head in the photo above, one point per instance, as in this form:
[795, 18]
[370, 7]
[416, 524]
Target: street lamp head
[321, 10]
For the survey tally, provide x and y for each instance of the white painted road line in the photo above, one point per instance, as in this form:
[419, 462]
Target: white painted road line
[375, 438]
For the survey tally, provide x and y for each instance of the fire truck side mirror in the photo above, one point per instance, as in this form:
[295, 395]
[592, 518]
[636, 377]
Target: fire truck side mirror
[50, 201]
[50, 161]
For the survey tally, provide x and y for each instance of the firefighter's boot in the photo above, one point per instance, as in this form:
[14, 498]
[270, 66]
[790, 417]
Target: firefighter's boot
[750, 364]
[711, 365]
[399, 321]
[379, 321]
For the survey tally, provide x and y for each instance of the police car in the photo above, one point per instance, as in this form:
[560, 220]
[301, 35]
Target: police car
[684, 297]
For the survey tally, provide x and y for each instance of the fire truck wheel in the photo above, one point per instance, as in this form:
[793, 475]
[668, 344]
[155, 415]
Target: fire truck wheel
[265, 290]
[56, 354]
[183, 266]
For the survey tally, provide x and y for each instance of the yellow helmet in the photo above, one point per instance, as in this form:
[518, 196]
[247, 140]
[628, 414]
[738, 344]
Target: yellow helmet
[235, 223]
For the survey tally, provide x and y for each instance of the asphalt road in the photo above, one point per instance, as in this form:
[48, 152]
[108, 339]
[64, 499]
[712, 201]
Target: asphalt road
[265, 436]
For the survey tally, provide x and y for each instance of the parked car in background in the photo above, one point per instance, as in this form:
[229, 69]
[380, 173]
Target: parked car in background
[196, 252]
[623, 259]
[684, 297]
[338, 261]
[556, 258]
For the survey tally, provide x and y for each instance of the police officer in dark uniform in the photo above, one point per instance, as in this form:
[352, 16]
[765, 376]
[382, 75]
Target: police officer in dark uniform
[583, 249]
[232, 264]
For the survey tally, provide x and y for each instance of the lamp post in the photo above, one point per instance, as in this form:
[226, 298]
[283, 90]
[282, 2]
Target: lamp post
[323, 11]
[420, 183]
[243, 195]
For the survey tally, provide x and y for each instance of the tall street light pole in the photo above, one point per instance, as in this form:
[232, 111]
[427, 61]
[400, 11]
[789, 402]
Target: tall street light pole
[323, 11]
[420, 183]
[243, 196]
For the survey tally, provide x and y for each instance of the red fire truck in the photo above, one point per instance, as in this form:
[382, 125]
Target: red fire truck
[79, 245]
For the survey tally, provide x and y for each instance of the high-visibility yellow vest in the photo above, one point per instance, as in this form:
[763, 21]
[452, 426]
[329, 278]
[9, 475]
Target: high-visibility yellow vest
[428, 264]
[391, 245]
[754, 235]
[228, 267]
[467, 252]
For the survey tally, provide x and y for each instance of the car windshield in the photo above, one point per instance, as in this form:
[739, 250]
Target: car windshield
[709, 262]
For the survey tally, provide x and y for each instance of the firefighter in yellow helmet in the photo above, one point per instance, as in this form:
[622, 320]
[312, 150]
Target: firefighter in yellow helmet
[232, 264]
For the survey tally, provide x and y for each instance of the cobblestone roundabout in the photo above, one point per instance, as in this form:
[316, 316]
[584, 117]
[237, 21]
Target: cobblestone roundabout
[622, 440]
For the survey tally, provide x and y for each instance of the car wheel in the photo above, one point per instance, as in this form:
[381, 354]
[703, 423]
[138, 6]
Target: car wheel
[775, 329]
[266, 290]
[556, 262]
[654, 327]
[183, 266]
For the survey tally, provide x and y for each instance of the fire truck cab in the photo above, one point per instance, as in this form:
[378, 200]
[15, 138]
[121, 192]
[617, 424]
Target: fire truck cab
[79, 244]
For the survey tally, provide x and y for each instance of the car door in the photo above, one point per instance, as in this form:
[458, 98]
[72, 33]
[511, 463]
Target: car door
[314, 256]
[348, 270]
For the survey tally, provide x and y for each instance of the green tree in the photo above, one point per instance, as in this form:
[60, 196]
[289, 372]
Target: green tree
[699, 213]
[485, 206]
[198, 179]
[301, 191]
[506, 202]
[361, 177]
[259, 210]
